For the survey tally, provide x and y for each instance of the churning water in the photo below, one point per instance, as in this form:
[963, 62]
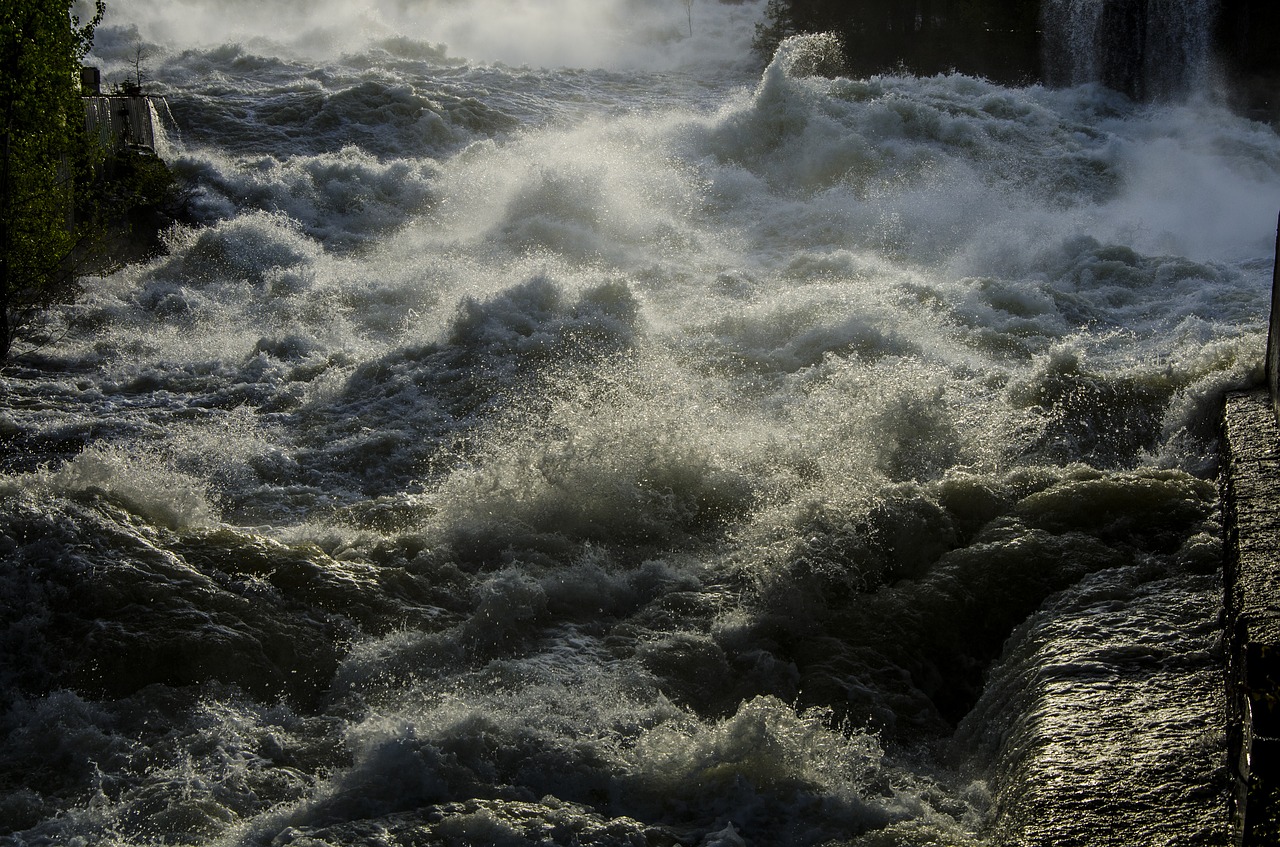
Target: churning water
[558, 430]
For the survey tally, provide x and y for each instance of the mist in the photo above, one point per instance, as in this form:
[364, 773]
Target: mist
[611, 34]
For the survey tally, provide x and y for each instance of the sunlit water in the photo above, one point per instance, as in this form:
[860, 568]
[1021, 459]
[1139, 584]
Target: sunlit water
[666, 452]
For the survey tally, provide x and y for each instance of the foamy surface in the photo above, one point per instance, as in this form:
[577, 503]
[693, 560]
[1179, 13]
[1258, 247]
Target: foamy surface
[604, 441]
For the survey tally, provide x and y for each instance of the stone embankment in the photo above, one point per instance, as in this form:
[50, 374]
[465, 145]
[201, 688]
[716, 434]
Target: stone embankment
[1251, 574]
[1251, 494]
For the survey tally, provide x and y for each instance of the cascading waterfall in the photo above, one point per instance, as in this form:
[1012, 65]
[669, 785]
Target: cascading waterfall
[1148, 49]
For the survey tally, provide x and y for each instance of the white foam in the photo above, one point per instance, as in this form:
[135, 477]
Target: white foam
[560, 33]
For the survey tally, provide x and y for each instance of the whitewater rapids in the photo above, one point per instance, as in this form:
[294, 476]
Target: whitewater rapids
[548, 438]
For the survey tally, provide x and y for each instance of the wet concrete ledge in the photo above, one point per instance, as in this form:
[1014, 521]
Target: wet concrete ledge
[1251, 517]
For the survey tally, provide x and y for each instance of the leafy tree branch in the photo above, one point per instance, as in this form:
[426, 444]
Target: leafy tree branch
[45, 154]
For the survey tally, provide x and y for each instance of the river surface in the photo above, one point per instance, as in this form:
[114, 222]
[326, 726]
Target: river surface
[559, 428]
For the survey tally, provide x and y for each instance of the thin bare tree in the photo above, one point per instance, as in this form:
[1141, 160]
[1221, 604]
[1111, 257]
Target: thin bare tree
[138, 61]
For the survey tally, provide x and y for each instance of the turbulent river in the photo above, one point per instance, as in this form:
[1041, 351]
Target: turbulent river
[555, 427]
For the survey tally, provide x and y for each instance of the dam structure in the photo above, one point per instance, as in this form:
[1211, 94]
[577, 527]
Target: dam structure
[118, 120]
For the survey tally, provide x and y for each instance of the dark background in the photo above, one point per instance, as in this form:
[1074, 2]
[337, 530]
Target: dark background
[1002, 41]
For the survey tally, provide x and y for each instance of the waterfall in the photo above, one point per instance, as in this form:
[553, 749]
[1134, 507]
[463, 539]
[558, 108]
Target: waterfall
[1148, 49]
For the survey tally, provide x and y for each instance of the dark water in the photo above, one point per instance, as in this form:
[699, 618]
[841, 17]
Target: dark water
[597, 440]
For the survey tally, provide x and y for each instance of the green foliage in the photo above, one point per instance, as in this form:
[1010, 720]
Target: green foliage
[44, 153]
[778, 25]
[140, 179]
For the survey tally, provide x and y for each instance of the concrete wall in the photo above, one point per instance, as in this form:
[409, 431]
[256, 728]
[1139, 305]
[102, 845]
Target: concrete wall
[120, 121]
